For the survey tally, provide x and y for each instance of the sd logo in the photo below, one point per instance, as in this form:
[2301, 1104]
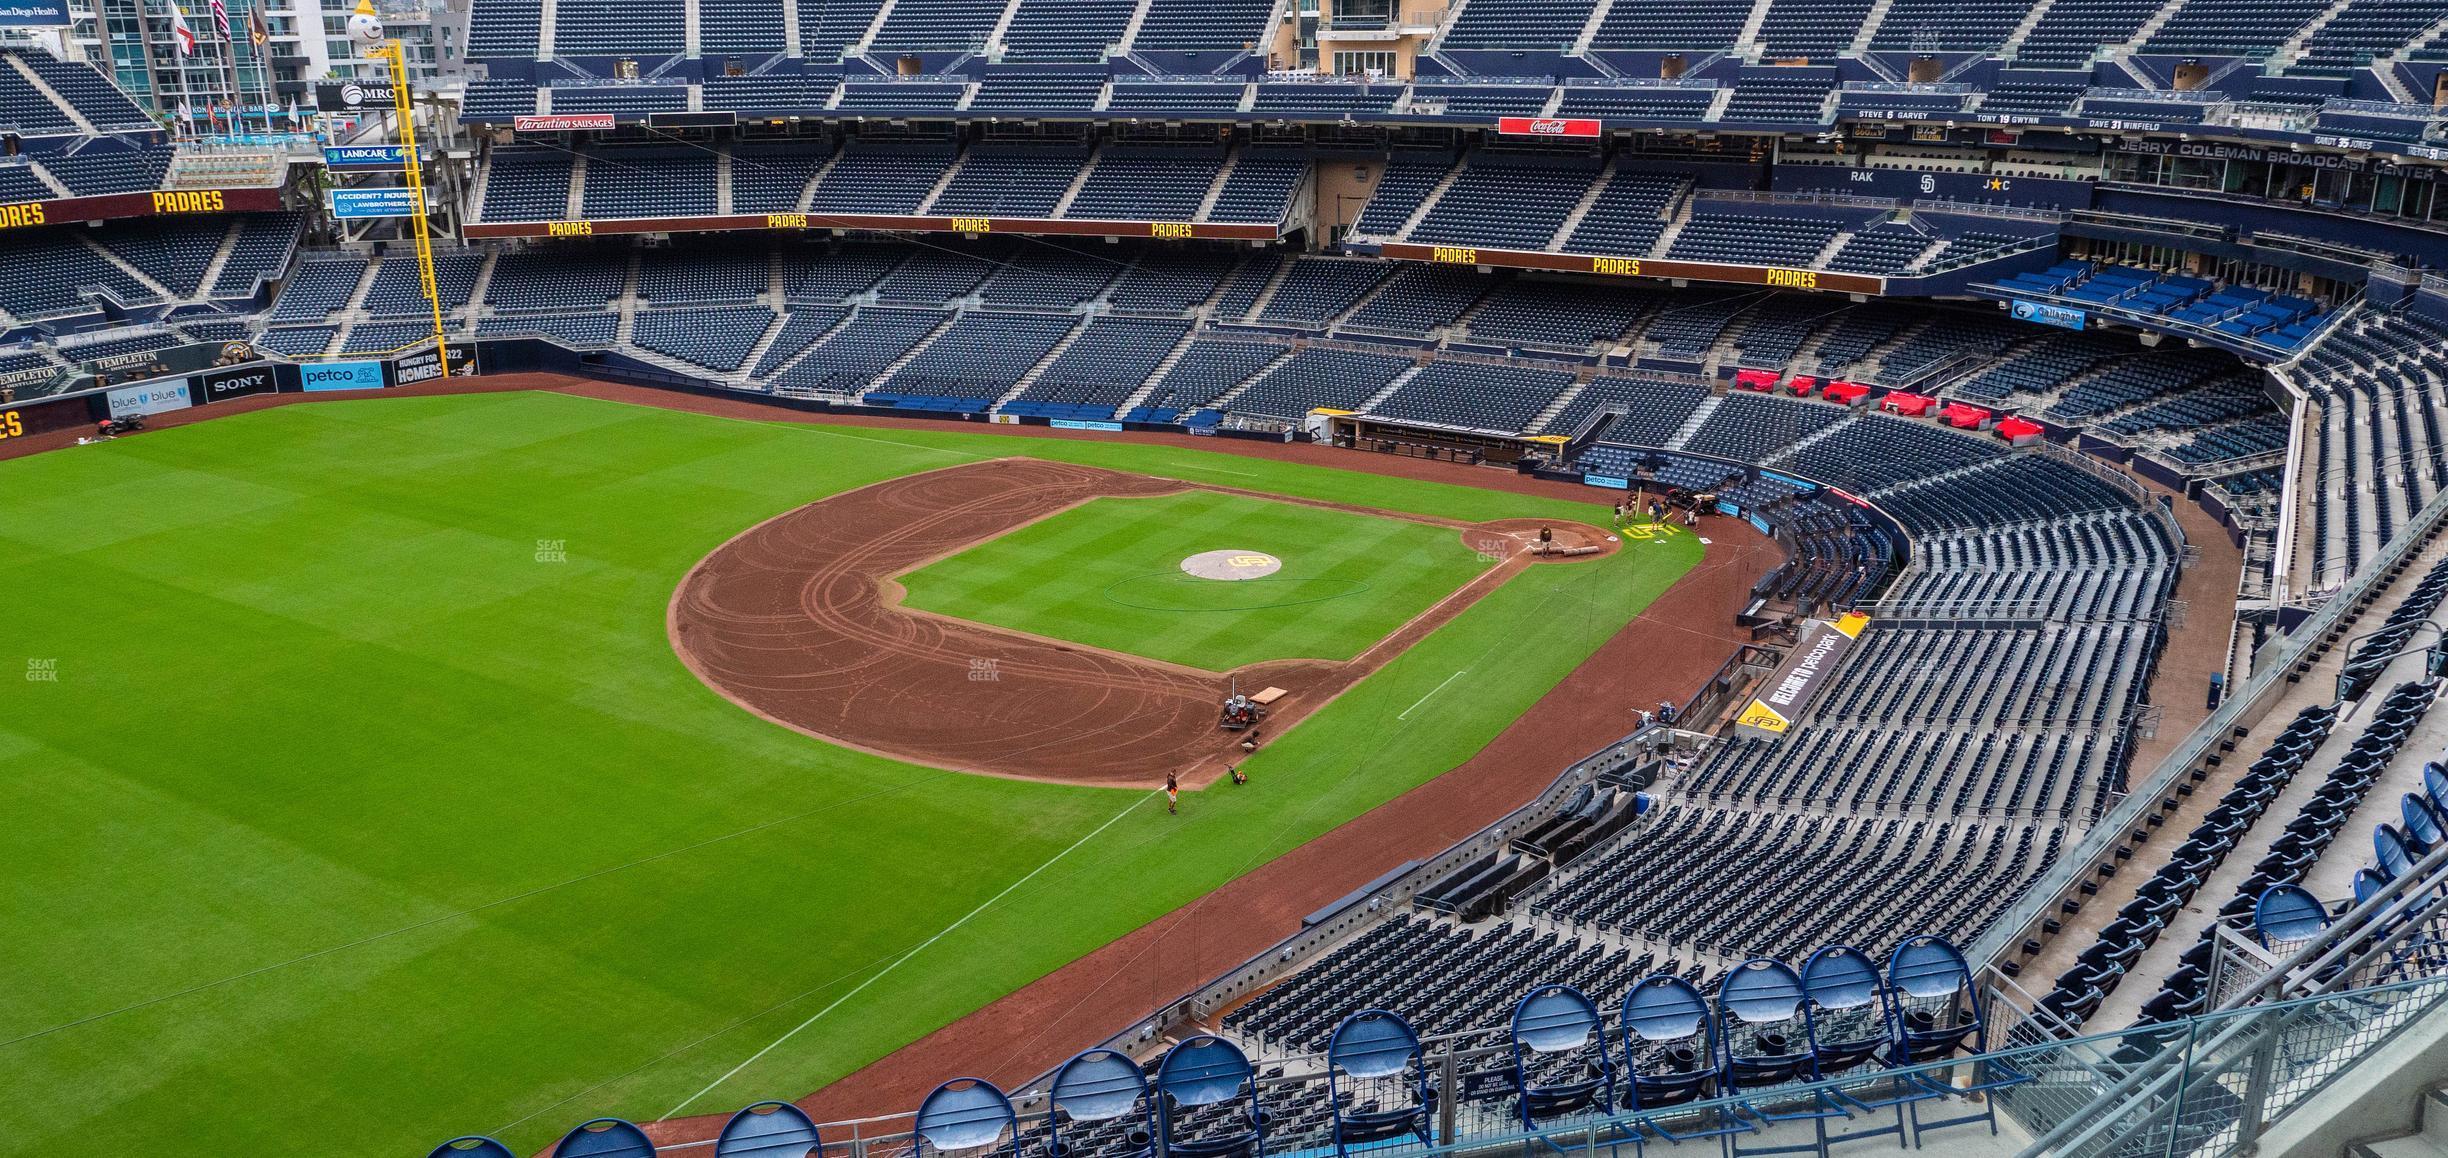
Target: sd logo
[1249, 561]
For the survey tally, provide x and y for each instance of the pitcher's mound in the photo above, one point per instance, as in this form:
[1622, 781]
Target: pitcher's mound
[1231, 565]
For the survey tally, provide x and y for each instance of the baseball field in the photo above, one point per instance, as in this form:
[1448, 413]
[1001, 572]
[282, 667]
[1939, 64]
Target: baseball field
[360, 797]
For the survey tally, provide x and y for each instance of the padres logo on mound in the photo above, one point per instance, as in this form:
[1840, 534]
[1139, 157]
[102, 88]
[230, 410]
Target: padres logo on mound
[1231, 565]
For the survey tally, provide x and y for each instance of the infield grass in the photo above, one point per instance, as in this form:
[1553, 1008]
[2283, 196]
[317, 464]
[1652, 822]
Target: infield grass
[359, 800]
[1107, 573]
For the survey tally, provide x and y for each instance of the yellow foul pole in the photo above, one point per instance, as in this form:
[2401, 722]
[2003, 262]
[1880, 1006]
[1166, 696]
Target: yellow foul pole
[366, 24]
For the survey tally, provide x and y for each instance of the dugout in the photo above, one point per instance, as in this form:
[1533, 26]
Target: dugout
[1429, 440]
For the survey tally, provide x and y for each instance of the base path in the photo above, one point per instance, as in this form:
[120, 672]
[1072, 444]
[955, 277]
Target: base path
[1667, 652]
[800, 620]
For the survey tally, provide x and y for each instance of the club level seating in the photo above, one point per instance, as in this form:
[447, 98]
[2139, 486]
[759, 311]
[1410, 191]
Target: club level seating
[741, 26]
[88, 92]
[1474, 396]
[979, 357]
[717, 339]
[1873, 452]
[1207, 370]
[1315, 377]
[106, 167]
[1646, 411]
[901, 95]
[397, 291]
[1049, 279]
[577, 331]
[2231, 29]
[828, 28]
[1662, 104]
[317, 288]
[1209, 28]
[1319, 288]
[385, 337]
[1104, 366]
[1005, 182]
[2377, 455]
[557, 282]
[1404, 184]
[647, 28]
[1750, 427]
[1687, 331]
[1175, 96]
[1529, 312]
[856, 351]
[703, 275]
[262, 250]
[1142, 184]
[1031, 93]
[1258, 188]
[1418, 299]
[1171, 286]
[19, 182]
[801, 329]
[1750, 238]
[635, 101]
[933, 277]
[1701, 25]
[881, 178]
[1508, 202]
[1628, 214]
[838, 274]
[770, 180]
[527, 184]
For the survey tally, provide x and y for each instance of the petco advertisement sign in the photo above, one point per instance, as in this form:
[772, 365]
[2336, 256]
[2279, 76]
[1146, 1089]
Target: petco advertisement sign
[1547, 126]
[151, 398]
[341, 376]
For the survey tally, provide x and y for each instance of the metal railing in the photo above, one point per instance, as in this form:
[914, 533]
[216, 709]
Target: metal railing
[2210, 1086]
[2242, 706]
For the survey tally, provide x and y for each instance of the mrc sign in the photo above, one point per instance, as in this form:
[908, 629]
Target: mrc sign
[1548, 126]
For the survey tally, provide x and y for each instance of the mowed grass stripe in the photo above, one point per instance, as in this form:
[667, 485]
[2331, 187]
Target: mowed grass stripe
[1107, 573]
[315, 691]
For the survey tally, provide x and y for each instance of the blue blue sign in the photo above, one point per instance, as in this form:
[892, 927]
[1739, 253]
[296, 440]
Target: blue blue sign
[1726, 508]
[1789, 480]
[2042, 313]
[33, 13]
[1608, 481]
[391, 157]
[317, 376]
[353, 204]
[1761, 525]
[1082, 424]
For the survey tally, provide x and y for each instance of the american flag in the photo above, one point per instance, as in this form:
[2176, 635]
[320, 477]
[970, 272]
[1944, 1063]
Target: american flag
[220, 13]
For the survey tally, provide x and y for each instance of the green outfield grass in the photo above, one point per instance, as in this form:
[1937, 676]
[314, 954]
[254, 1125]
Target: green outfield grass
[357, 799]
[1107, 573]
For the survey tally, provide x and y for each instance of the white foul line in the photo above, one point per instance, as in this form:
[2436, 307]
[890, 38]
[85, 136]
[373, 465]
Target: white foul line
[946, 931]
[1431, 695]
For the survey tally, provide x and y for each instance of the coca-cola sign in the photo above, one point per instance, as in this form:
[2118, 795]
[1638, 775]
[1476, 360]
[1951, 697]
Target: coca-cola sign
[1547, 126]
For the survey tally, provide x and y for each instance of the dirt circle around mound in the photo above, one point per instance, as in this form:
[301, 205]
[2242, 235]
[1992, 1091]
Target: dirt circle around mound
[800, 620]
